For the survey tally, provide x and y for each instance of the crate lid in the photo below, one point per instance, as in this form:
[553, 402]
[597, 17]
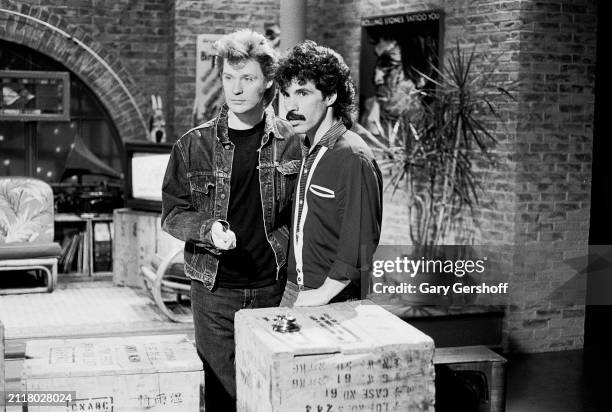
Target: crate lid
[466, 354]
[109, 356]
[347, 327]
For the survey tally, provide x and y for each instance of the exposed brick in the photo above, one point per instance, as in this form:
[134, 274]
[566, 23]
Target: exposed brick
[77, 18]
[535, 323]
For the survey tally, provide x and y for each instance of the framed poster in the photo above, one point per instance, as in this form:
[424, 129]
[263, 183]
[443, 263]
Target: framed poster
[209, 89]
[395, 53]
[34, 95]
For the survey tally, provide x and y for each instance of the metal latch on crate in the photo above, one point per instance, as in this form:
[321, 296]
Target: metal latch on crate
[285, 324]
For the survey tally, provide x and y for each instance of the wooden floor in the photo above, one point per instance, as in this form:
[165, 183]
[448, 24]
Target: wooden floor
[81, 309]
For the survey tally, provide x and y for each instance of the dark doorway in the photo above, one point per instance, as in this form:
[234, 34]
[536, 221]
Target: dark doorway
[40, 148]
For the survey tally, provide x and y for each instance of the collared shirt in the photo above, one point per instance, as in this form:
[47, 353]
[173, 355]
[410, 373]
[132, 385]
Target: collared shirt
[310, 154]
[337, 212]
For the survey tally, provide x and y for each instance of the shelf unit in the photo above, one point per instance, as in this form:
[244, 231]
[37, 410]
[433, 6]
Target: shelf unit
[84, 226]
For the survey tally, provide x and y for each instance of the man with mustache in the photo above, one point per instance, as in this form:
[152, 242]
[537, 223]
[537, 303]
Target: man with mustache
[337, 211]
[227, 194]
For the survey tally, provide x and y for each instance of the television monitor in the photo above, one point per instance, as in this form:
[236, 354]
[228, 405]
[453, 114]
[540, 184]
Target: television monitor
[146, 166]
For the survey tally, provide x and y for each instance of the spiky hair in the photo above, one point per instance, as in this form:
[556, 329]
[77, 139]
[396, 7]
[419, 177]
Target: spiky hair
[243, 45]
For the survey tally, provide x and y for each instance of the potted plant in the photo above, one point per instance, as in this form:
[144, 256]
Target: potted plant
[431, 150]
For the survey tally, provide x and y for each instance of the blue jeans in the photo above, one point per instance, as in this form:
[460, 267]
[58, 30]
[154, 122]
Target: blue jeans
[213, 318]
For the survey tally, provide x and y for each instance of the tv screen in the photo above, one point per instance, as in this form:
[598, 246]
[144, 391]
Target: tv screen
[147, 175]
[146, 166]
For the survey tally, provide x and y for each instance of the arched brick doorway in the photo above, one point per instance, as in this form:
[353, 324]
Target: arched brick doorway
[91, 62]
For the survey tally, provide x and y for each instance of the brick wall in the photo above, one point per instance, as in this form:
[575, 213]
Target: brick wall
[554, 146]
[134, 32]
[538, 195]
[150, 44]
[118, 75]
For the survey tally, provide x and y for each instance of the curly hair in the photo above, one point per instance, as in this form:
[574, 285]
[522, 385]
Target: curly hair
[242, 45]
[307, 61]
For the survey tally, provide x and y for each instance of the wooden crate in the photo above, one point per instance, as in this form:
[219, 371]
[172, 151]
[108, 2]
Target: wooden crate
[138, 238]
[346, 357]
[2, 373]
[484, 361]
[142, 373]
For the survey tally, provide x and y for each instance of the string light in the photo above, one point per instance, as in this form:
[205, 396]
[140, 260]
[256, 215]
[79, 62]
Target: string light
[1, 138]
[38, 169]
[49, 174]
[6, 162]
[58, 149]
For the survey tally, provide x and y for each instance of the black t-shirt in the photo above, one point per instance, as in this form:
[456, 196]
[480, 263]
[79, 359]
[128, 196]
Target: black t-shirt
[251, 264]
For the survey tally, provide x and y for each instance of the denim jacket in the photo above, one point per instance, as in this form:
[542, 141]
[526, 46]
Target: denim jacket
[196, 188]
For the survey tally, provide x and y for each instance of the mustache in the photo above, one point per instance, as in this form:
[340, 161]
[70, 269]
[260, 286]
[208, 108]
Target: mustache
[294, 116]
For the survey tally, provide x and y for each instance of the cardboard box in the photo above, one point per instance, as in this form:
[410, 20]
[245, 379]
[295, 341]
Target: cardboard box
[152, 373]
[346, 357]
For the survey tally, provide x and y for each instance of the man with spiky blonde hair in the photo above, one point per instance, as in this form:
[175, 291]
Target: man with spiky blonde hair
[227, 194]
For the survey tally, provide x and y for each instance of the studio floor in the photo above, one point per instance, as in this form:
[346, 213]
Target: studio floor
[571, 381]
[560, 381]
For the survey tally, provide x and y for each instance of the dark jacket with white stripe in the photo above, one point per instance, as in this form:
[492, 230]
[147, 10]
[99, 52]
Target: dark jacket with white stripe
[336, 227]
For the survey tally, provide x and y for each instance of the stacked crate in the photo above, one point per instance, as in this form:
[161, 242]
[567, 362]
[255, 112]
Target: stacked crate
[141, 373]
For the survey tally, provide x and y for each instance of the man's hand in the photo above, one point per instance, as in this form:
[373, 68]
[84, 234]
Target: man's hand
[321, 296]
[222, 237]
[314, 297]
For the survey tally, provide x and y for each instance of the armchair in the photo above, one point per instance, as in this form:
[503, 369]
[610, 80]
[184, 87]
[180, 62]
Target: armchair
[26, 231]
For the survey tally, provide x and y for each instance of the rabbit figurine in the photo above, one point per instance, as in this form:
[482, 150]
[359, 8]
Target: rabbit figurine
[157, 122]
